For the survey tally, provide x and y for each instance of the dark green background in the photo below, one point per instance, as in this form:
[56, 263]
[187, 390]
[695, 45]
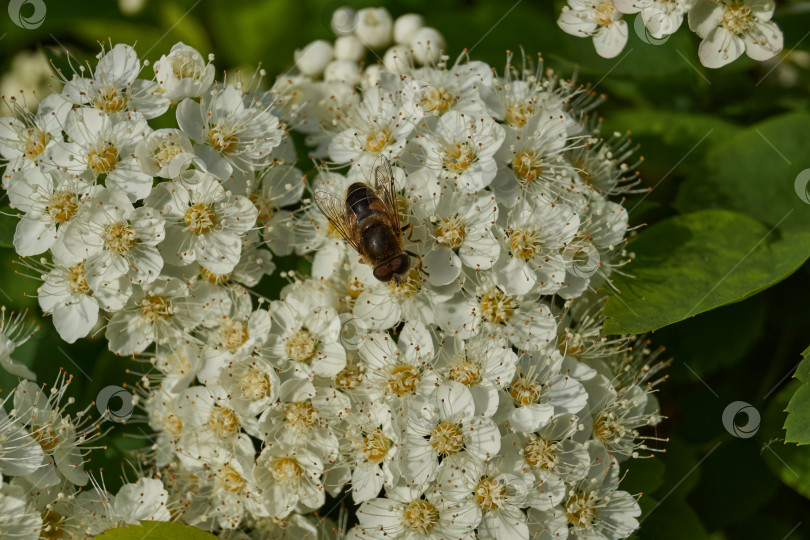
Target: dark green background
[709, 484]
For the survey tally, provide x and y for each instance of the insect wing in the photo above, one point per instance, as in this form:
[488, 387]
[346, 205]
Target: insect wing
[386, 190]
[335, 211]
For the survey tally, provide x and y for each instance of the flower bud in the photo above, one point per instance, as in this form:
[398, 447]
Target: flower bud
[406, 27]
[312, 59]
[183, 73]
[397, 59]
[427, 45]
[349, 48]
[374, 27]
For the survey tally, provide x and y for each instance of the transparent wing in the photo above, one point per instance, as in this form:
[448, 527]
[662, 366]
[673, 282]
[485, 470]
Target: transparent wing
[335, 211]
[386, 189]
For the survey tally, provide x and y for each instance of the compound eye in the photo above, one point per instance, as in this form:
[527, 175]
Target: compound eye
[400, 264]
[383, 273]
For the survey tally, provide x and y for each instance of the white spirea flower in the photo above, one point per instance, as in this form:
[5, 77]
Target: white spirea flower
[661, 17]
[598, 19]
[24, 142]
[105, 146]
[204, 223]
[461, 149]
[183, 73]
[729, 28]
[232, 130]
[115, 87]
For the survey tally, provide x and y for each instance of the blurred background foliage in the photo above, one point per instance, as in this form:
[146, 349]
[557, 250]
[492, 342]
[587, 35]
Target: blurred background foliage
[722, 149]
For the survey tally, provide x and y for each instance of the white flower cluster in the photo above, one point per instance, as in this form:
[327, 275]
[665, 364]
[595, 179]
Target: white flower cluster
[727, 27]
[43, 450]
[473, 396]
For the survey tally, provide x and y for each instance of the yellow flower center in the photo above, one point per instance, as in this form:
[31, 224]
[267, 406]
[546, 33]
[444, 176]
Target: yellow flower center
[232, 334]
[223, 139]
[301, 346]
[103, 160]
[211, 277]
[525, 391]
[173, 424]
[300, 416]
[737, 17]
[167, 150]
[458, 157]
[223, 422]
[62, 206]
[255, 384]
[447, 439]
[465, 371]
[527, 166]
[604, 12]
[110, 100]
[404, 379]
[496, 306]
[229, 479]
[155, 308]
[606, 429]
[490, 494]
[525, 243]
[119, 237]
[519, 113]
[201, 218]
[409, 286]
[375, 446]
[581, 509]
[286, 471]
[52, 525]
[377, 140]
[421, 516]
[266, 208]
[450, 232]
[539, 454]
[350, 377]
[437, 100]
[35, 142]
[47, 437]
[76, 280]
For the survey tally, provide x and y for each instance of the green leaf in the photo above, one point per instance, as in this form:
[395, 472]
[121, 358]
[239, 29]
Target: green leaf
[797, 425]
[671, 519]
[689, 264]
[8, 224]
[790, 463]
[156, 530]
[754, 172]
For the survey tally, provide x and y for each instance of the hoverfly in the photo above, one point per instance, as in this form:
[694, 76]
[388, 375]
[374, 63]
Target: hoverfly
[368, 219]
